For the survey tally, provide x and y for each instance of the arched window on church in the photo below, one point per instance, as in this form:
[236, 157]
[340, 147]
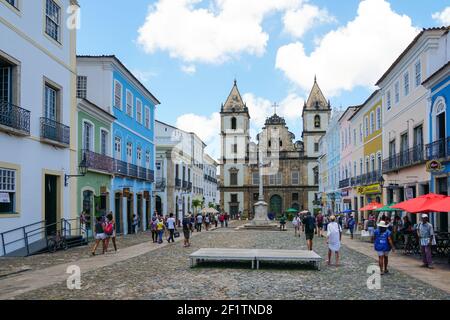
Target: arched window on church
[317, 121]
[233, 123]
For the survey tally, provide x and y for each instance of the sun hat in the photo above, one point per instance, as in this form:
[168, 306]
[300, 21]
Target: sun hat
[333, 218]
[424, 215]
[383, 224]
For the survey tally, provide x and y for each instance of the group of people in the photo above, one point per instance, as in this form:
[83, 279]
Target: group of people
[105, 231]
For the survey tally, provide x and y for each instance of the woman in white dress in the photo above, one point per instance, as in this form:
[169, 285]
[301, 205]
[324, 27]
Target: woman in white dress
[334, 236]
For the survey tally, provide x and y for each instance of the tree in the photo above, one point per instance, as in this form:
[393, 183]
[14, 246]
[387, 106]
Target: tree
[211, 205]
[196, 203]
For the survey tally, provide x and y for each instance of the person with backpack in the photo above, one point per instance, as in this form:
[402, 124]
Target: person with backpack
[309, 225]
[351, 225]
[383, 245]
[187, 229]
[99, 235]
[207, 222]
[111, 234]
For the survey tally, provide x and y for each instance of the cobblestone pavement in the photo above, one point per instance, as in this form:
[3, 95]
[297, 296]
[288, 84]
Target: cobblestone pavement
[42, 261]
[165, 274]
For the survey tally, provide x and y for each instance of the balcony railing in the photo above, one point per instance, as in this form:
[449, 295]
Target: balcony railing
[97, 161]
[132, 171]
[364, 179]
[160, 184]
[177, 183]
[404, 159]
[344, 183]
[55, 131]
[438, 150]
[14, 117]
[189, 187]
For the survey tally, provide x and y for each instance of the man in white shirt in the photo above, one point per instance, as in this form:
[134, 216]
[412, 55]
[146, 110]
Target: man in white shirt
[171, 227]
[425, 231]
[199, 223]
[334, 236]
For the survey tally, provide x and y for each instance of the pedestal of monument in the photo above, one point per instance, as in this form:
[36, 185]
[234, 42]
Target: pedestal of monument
[261, 220]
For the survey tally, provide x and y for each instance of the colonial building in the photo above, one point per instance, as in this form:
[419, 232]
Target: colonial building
[114, 89]
[438, 150]
[405, 115]
[291, 175]
[184, 172]
[37, 118]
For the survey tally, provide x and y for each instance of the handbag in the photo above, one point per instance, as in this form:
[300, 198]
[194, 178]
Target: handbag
[176, 234]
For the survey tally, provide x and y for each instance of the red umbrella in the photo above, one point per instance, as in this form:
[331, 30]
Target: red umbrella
[440, 205]
[419, 204]
[371, 206]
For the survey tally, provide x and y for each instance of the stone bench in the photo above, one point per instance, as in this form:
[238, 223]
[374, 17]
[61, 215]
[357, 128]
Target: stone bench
[254, 256]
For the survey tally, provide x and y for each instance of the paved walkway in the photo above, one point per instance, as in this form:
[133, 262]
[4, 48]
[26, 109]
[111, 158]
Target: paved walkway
[438, 277]
[22, 283]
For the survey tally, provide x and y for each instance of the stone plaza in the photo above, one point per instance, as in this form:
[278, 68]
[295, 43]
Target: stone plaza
[143, 270]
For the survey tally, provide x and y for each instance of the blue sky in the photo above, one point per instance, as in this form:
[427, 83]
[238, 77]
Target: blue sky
[189, 51]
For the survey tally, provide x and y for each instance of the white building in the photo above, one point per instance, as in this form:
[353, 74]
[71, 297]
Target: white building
[37, 108]
[184, 171]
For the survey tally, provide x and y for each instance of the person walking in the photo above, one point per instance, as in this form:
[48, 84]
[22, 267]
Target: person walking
[153, 228]
[351, 225]
[160, 227]
[319, 220]
[226, 218]
[371, 225]
[112, 221]
[187, 229]
[296, 222]
[207, 222]
[99, 236]
[135, 223]
[309, 225]
[425, 231]
[171, 227]
[221, 219]
[334, 238]
[283, 222]
[216, 220]
[199, 222]
[383, 245]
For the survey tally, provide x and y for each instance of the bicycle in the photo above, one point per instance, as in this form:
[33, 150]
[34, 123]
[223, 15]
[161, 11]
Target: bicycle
[57, 242]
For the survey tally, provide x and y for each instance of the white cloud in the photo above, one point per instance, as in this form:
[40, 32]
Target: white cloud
[207, 128]
[189, 69]
[297, 22]
[143, 76]
[442, 17]
[353, 55]
[211, 33]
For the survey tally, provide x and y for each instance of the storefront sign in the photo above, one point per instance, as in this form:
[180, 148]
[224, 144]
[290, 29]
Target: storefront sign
[4, 197]
[434, 166]
[103, 190]
[375, 188]
[344, 193]
[146, 195]
[126, 192]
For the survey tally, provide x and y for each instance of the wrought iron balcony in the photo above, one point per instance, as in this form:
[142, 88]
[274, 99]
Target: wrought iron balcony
[98, 161]
[185, 184]
[120, 167]
[132, 171]
[344, 183]
[160, 184]
[366, 179]
[439, 149]
[14, 119]
[142, 173]
[55, 132]
[177, 183]
[404, 159]
[189, 187]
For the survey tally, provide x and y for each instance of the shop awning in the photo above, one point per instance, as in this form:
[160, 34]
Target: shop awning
[371, 206]
[420, 204]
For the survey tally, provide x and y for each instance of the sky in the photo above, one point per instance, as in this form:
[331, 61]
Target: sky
[189, 52]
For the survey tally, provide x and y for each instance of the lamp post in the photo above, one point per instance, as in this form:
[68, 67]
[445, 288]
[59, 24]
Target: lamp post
[82, 169]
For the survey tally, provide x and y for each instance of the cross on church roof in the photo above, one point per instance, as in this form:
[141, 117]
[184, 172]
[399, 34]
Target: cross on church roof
[275, 106]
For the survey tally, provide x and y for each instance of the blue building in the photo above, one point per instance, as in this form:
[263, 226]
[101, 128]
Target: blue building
[438, 151]
[113, 87]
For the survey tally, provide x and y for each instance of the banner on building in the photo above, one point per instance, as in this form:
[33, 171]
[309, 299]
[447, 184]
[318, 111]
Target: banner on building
[375, 188]
[4, 197]
[409, 193]
[434, 166]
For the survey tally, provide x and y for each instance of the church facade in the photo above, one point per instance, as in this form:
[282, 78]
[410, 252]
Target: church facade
[290, 166]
